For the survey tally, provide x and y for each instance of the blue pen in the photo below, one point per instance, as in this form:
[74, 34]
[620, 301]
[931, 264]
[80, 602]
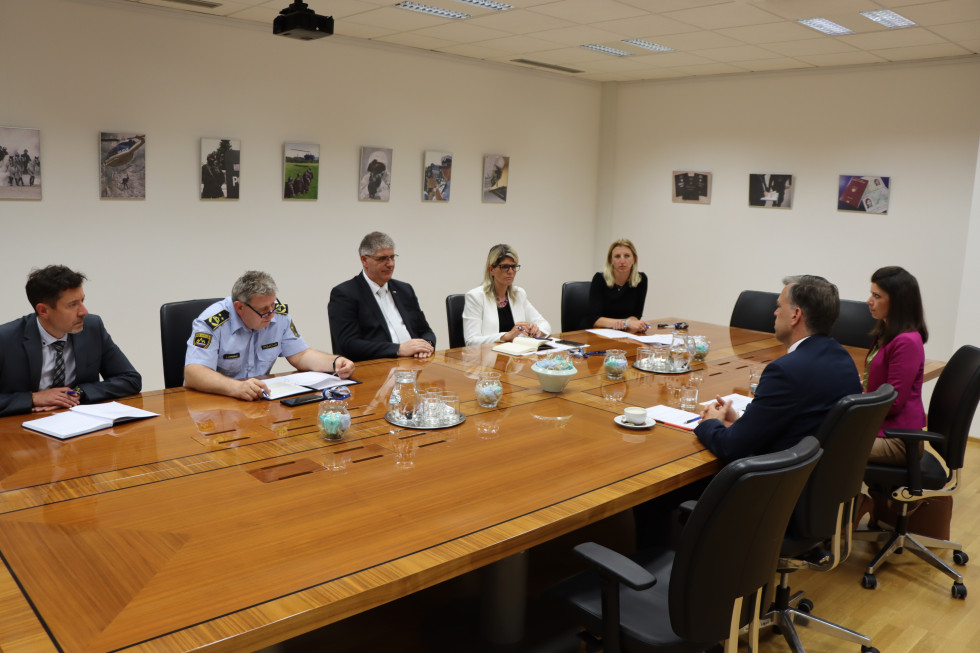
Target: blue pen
[693, 419]
[71, 392]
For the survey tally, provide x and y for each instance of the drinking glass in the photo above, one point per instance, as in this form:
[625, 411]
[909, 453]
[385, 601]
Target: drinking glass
[689, 398]
[754, 376]
[450, 408]
[644, 358]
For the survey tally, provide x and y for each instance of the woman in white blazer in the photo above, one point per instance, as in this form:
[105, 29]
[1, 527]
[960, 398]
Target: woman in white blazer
[498, 310]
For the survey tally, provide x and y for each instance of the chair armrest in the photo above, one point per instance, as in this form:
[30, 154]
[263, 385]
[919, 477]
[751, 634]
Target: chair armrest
[911, 438]
[612, 565]
[912, 435]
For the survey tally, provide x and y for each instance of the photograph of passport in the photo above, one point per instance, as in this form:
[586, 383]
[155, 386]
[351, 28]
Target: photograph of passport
[853, 191]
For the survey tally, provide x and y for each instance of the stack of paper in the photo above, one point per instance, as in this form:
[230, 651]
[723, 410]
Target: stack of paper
[86, 419]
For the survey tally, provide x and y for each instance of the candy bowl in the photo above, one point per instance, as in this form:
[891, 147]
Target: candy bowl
[554, 372]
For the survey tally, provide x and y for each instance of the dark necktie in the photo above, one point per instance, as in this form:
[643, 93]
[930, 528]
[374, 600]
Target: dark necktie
[59, 364]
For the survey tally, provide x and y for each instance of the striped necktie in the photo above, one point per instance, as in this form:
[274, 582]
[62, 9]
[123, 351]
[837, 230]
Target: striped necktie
[59, 364]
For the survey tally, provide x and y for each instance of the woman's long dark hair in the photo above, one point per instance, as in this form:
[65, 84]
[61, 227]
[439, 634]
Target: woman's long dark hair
[904, 305]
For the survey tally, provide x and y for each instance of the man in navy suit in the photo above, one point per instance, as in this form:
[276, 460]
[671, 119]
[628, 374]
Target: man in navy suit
[796, 390]
[53, 358]
[374, 316]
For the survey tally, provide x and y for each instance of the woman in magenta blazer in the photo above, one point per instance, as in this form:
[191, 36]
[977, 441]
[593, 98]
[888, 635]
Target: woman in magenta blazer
[896, 356]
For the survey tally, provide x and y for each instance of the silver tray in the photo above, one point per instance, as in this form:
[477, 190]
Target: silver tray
[405, 424]
[644, 368]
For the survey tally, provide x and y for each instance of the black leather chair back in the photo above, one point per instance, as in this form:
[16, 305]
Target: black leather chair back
[854, 324]
[454, 320]
[845, 436]
[575, 305]
[953, 404]
[754, 309]
[731, 542]
[175, 329]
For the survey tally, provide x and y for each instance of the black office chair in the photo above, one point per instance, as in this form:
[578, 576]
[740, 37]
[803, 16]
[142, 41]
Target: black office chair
[727, 553]
[951, 409]
[175, 329]
[754, 309]
[823, 513]
[575, 305]
[454, 319]
[854, 324]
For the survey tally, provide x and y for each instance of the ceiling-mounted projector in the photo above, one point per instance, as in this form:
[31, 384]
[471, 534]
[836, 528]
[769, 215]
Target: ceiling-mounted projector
[297, 21]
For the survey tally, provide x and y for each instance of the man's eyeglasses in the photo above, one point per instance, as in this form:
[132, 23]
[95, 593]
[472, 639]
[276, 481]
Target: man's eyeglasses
[507, 267]
[384, 259]
[261, 315]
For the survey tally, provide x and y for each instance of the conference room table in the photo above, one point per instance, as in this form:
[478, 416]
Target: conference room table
[222, 525]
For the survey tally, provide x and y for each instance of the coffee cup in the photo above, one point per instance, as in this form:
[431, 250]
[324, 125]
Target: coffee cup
[635, 415]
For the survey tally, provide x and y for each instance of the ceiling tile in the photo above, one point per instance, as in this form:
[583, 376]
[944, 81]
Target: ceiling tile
[697, 41]
[711, 69]
[922, 52]
[739, 53]
[588, 11]
[796, 9]
[769, 33]
[397, 20]
[729, 15]
[892, 38]
[959, 31]
[645, 26]
[825, 45]
[780, 63]
[578, 35]
[518, 44]
[941, 13]
[461, 31]
[841, 59]
[519, 22]
[416, 40]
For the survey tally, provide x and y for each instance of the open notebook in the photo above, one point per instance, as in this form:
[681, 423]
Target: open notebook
[80, 420]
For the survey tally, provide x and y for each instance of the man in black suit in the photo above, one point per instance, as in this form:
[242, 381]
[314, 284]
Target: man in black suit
[796, 391]
[374, 316]
[53, 358]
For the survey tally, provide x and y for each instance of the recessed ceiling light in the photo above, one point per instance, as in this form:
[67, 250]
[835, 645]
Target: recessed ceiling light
[432, 11]
[488, 4]
[656, 47]
[888, 18]
[825, 26]
[606, 50]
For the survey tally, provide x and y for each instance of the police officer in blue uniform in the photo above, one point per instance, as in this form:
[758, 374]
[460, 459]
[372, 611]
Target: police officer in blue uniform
[239, 338]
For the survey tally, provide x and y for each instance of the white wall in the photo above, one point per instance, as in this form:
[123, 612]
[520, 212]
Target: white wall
[917, 123]
[104, 67]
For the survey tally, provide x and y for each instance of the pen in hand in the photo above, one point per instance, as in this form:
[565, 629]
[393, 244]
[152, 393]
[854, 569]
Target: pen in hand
[693, 419]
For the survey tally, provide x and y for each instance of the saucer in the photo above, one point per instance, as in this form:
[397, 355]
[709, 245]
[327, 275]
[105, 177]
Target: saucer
[619, 419]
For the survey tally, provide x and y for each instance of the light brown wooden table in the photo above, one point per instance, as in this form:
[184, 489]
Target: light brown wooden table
[215, 526]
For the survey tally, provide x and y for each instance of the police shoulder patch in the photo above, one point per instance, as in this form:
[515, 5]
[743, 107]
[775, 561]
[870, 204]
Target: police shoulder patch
[292, 327]
[202, 340]
[281, 309]
[218, 319]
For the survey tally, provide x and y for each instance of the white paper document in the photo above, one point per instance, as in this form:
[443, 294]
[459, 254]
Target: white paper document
[673, 417]
[80, 420]
[300, 382]
[739, 402]
[657, 338]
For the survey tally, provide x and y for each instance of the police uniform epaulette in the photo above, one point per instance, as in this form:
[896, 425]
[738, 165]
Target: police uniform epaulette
[281, 309]
[218, 319]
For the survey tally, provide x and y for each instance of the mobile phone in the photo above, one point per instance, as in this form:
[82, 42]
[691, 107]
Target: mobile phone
[570, 343]
[299, 400]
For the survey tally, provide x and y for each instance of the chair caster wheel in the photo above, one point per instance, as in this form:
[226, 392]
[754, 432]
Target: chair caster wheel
[960, 557]
[805, 606]
[959, 591]
[869, 649]
[869, 582]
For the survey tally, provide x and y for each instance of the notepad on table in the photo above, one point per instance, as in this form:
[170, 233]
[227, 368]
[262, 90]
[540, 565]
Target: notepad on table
[682, 419]
[522, 345]
[300, 382]
[80, 420]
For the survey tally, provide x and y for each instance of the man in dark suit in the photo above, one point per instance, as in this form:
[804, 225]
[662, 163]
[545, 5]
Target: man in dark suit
[53, 358]
[374, 316]
[796, 390]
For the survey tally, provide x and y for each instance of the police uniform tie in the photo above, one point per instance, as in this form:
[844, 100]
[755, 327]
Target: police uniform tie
[59, 364]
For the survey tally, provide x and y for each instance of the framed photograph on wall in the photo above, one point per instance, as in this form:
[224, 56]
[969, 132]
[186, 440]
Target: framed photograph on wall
[691, 187]
[771, 190]
[437, 175]
[301, 171]
[122, 162]
[220, 168]
[496, 169]
[863, 193]
[375, 174]
[20, 163]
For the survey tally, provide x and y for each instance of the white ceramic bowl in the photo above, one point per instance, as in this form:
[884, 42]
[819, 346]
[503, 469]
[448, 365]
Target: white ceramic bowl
[553, 380]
